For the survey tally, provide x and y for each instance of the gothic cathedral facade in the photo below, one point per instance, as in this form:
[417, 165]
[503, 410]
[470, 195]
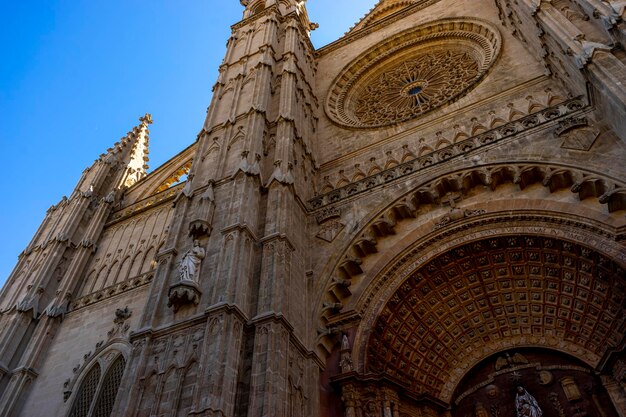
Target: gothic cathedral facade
[423, 218]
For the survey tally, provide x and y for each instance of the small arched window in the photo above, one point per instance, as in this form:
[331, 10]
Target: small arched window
[109, 387]
[87, 391]
[97, 393]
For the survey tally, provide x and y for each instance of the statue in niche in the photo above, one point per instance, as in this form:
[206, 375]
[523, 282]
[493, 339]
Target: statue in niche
[526, 405]
[371, 410]
[188, 268]
[346, 355]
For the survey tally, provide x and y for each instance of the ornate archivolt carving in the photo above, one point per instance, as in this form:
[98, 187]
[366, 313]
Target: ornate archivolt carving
[349, 269]
[377, 176]
[433, 193]
[475, 299]
[413, 72]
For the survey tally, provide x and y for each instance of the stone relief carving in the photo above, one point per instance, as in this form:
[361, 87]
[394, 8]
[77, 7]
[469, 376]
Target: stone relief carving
[508, 360]
[335, 190]
[330, 230]
[346, 355]
[526, 405]
[577, 134]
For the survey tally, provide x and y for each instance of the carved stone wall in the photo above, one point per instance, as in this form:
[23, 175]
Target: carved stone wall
[356, 231]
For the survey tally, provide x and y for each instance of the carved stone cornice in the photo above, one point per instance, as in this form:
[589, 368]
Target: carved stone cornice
[414, 166]
[111, 291]
[145, 204]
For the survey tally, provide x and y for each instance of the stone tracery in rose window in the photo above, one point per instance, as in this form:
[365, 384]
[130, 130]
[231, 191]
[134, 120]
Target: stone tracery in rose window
[413, 72]
[415, 86]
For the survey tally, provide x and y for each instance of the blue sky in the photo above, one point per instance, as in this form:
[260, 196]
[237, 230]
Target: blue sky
[75, 75]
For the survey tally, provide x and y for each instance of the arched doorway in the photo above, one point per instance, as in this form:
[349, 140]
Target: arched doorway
[534, 297]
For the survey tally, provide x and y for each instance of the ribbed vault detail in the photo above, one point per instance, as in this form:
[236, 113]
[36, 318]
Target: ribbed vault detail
[493, 294]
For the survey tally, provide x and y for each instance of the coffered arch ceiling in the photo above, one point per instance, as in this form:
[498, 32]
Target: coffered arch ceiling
[492, 294]
[386, 228]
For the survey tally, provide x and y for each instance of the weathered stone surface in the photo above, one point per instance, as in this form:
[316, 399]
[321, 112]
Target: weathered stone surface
[328, 257]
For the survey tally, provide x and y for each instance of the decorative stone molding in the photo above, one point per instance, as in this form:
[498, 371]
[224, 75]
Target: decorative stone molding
[413, 166]
[182, 293]
[577, 134]
[145, 204]
[330, 230]
[327, 214]
[358, 32]
[469, 46]
[113, 290]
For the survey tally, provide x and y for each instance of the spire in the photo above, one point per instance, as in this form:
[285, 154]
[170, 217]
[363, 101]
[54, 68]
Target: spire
[381, 10]
[137, 166]
[131, 152]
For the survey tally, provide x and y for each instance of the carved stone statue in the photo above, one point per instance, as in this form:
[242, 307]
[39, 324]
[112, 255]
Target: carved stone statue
[345, 343]
[188, 268]
[371, 410]
[526, 405]
[346, 355]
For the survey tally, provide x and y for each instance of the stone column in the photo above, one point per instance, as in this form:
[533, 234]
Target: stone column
[616, 392]
[218, 374]
[608, 75]
[269, 395]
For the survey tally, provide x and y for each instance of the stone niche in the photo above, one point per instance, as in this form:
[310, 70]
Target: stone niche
[534, 383]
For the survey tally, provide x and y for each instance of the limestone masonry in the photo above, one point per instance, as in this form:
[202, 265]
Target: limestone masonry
[424, 218]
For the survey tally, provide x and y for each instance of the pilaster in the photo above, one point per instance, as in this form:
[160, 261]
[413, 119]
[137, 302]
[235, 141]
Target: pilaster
[616, 392]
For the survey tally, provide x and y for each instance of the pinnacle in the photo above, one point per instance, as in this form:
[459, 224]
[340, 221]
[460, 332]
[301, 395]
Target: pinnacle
[146, 119]
[132, 151]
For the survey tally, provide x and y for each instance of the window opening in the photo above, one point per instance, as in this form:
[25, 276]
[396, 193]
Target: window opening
[86, 394]
[109, 389]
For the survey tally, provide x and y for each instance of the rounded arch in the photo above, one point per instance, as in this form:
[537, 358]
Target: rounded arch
[447, 306]
[541, 380]
[385, 247]
[486, 192]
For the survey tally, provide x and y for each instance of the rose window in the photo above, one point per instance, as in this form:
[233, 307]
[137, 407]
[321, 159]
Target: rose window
[413, 73]
[414, 87]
